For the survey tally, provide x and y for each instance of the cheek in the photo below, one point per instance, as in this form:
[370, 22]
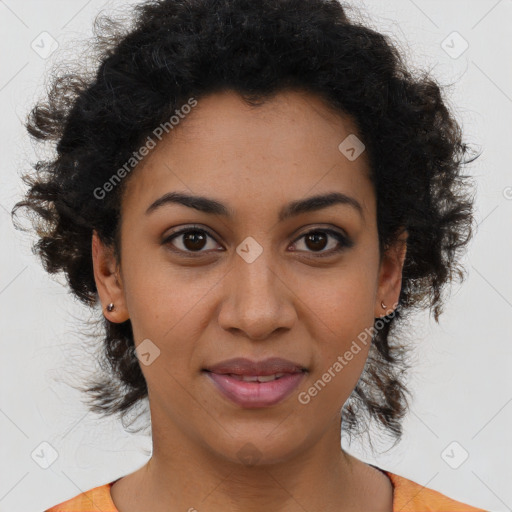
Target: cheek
[168, 307]
[342, 315]
[158, 294]
[341, 358]
[341, 304]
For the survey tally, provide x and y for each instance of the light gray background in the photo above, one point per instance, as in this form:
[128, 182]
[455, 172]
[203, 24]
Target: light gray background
[461, 380]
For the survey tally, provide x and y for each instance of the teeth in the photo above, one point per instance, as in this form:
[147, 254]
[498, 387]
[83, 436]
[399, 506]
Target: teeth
[249, 378]
[257, 378]
[266, 378]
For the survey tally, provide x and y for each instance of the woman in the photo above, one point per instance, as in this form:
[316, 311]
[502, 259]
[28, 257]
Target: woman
[258, 194]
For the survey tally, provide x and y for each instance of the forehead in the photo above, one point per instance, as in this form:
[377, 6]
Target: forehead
[283, 149]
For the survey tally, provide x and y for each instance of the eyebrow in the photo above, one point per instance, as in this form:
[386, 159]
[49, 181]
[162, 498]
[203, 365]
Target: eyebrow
[292, 209]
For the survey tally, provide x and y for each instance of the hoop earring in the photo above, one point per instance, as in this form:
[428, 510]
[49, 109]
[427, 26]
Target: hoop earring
[383, 305]
[110, 307]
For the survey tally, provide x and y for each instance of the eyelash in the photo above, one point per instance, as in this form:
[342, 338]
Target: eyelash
[344, 242]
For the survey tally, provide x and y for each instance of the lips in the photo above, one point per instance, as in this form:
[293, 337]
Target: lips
[243, 366]
[252, 384]
[256, 378]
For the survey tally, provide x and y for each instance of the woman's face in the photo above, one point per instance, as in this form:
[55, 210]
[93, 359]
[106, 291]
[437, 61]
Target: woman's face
[250, 283]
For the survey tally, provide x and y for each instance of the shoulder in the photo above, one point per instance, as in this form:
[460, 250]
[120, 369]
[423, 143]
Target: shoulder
[97, 499]
[409, 496]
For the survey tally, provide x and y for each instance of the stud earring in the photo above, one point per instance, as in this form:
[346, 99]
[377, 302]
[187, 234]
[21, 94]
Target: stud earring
[110, 307]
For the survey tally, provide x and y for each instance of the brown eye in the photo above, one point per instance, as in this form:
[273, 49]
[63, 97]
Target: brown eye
[316, 241]
[194, 240]
[319, 239]
[190, 240]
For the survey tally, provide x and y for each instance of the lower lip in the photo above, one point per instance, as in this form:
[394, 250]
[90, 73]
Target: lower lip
[256, 394]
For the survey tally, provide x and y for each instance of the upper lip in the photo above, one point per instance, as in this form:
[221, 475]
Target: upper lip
[243, 366]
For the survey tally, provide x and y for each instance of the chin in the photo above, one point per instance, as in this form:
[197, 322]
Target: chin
[259, 446]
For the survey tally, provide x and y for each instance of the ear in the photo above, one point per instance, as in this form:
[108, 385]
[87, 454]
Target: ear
[108, 281]
[390, 276]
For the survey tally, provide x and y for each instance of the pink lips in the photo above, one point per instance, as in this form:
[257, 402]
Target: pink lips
[256, 394]
[227, 378]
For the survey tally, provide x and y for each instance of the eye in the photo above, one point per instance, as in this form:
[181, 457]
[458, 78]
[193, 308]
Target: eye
[194, 239]
[317, 240]
[190, 240]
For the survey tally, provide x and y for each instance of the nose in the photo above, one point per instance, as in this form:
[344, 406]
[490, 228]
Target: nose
[258, 300]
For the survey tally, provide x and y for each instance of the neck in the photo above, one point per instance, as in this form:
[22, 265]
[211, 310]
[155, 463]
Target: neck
[182, 474]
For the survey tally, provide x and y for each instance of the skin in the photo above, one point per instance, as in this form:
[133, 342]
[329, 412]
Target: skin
[289, 302]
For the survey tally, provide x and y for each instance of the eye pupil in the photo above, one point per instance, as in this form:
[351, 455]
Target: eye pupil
[194, 237]
[316, 237]
[195, 240]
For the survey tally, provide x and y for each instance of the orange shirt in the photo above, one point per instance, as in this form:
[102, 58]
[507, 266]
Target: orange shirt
[408, 496]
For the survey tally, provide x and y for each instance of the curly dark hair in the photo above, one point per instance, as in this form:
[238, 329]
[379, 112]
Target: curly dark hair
[178, 49]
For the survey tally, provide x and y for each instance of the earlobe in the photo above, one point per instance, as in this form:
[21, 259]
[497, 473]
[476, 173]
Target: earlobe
[390, 275]
[108, 281]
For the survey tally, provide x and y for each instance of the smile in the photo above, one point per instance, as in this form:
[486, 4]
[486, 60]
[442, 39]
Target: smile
[253, 391]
